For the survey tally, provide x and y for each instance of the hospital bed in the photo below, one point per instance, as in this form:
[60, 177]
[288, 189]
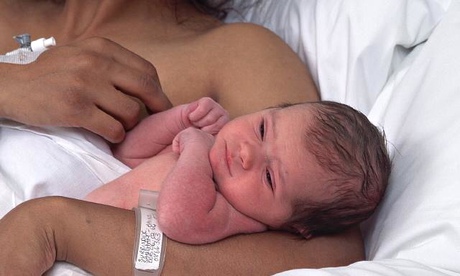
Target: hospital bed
[398, 61]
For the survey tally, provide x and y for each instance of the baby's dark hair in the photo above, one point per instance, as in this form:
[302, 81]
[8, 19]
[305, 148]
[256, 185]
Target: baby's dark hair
[353, 155]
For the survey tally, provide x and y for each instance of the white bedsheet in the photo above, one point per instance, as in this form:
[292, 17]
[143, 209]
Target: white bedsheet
[38, 162]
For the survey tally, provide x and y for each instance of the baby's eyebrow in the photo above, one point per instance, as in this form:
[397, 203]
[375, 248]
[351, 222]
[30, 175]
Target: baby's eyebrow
[273, 118]
[272, 121]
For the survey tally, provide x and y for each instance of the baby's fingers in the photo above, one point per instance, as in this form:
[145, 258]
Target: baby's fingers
[204, 107]
[216, 126]
[208, 115]
[176, 144]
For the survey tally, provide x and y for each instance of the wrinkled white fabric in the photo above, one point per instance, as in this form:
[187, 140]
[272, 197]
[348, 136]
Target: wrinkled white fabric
[37, 162]
[350, 46]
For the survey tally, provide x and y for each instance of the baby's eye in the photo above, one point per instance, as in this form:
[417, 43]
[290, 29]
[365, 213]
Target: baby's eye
[268, 176]
[262, 130]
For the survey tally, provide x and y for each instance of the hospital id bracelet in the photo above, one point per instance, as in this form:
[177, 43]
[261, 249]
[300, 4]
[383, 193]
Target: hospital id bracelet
[150, 244]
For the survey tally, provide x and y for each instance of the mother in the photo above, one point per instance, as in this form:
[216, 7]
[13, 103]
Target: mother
[96, 79]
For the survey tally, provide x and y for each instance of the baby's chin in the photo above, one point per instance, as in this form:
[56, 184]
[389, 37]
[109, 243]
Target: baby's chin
[219, 181]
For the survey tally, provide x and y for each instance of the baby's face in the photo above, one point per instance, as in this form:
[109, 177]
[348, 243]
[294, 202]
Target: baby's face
[261, 164]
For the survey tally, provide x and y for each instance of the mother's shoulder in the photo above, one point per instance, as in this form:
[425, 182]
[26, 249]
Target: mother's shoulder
[244, 35]
[249, 45]
[258, 64]
[242, 28]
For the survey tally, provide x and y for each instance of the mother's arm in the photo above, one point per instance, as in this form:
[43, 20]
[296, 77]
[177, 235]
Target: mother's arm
[252, 255]
[100, 239]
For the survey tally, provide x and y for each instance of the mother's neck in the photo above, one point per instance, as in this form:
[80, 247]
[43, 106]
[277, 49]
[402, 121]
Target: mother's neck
[86, 18]
[133, 21]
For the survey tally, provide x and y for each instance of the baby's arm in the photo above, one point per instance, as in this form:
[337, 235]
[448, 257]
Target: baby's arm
[190, 209]
[156, 132]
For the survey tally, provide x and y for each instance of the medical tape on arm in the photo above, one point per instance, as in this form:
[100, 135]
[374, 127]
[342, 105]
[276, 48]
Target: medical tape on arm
[150, 243]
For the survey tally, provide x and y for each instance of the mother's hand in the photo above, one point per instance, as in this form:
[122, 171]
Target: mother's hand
[94, 84]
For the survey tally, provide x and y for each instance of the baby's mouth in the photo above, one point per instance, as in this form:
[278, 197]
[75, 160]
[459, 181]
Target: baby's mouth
[228, 159]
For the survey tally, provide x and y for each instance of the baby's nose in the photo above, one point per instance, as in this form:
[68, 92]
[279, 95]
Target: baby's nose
[249, 155]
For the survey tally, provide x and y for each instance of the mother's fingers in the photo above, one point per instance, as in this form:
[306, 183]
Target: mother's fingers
[124, 108]
[103, 124]
[132, 74]
[144, 85]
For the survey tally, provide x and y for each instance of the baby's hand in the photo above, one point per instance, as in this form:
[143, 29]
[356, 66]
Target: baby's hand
[207, 115]
[193, 139]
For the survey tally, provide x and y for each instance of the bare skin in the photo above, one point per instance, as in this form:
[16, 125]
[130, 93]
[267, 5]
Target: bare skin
[177, 50]
[243, 67]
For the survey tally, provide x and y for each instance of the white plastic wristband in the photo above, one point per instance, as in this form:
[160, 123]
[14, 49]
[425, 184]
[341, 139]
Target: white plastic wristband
[149, 247]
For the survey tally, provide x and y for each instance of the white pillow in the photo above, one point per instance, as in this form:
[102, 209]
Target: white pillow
[350, 46]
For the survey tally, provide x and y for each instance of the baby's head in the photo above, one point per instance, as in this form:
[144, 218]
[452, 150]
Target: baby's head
[352, 155]
[311, 168]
